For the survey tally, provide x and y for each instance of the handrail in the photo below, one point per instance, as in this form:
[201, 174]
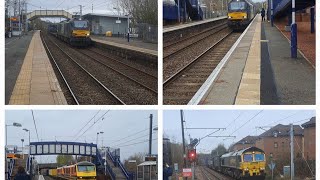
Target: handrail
[112, 158]
[124, 171]
[109, 169]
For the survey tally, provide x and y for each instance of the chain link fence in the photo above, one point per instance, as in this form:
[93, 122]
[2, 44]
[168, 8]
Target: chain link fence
[148, 33]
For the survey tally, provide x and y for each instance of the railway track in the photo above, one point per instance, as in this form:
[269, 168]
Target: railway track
[179, 45]
[180, 87]
[136, 75]
[178, 60]
[122, 81]
[82, 86]
[209, 174]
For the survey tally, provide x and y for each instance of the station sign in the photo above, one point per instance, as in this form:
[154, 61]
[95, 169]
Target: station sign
[186, 172]
[14, 156]
[118, 21]
[148, 158]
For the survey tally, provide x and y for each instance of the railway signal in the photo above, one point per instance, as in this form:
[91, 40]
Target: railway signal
[192, 155]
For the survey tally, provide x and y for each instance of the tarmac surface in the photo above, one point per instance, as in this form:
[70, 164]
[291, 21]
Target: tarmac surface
[294, 79]
[15, 51]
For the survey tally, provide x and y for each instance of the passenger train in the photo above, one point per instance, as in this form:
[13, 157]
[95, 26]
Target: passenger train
[240, 13]
[242, 164]
[82, 170]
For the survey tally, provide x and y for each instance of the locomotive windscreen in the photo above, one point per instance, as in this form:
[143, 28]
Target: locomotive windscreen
[247, 158]
[85, 168]
[259, 157]
[237, 6]
[80, 24]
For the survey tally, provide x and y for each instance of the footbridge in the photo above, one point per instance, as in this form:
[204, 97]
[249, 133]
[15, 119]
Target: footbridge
[48, 13]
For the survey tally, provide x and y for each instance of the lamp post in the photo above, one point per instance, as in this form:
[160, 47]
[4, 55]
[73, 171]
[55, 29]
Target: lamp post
[118, 20]
[293, 32]
[101, 138]
[128, 26]
[97, 138]
[28, 131]
[22, 140]
[15, 125]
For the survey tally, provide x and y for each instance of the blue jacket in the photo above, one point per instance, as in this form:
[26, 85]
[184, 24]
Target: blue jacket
[23, 176]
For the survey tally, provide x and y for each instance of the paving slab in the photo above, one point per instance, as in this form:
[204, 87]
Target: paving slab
[36, 83]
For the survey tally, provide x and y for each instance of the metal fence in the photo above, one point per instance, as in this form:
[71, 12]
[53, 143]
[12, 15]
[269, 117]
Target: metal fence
[147, 32]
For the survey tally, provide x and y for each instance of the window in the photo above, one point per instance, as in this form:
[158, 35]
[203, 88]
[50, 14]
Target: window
[85, 168]
[247, 158]
[259, 157]
[80, 24]
[237, 6]
[275, 145]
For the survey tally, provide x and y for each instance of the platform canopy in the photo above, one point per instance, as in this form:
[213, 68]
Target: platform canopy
[283, 7]
[63, 148]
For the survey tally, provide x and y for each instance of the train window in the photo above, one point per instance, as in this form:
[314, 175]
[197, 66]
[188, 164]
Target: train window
[247, 158]
[85, 168]
[80, 24]
[259, 157]
[237, 6]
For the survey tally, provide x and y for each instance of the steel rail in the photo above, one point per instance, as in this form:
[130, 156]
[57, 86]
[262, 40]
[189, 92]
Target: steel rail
[60, 72]
[128, 77]
[114, 59]
[194, 35]
[175, 52]
[92, 76]
[175, 75]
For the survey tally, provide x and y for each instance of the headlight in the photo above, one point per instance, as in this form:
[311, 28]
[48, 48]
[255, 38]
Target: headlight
[229, 17]
[88, 34]
[246, 169]
[245, 17]
[262, 168]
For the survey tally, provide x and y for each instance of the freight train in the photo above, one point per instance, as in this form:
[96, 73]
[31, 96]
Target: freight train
[240, 13]
[242, 164]
[82, 170]
[75, 32]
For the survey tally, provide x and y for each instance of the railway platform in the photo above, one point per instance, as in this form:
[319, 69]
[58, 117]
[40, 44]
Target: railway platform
[258, 69]
[36, 83]
[133, 45]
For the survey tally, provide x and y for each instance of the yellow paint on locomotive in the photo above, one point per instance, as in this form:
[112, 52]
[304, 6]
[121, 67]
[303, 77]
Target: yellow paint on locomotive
[80, 33]
[254, 168]
[237, 16]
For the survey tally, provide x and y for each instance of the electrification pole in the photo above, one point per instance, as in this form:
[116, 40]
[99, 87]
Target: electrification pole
[150, 136]
[292, 152]
[183, 143]
[80, 12]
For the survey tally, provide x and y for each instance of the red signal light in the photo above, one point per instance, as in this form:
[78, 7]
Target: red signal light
[192, 155]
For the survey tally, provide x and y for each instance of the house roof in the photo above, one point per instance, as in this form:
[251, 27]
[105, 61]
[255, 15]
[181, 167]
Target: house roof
[310, 123]
[248, 140]
[282, 130]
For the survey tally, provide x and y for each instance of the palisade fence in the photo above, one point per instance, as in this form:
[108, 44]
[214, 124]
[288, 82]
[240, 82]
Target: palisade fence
[147, 32]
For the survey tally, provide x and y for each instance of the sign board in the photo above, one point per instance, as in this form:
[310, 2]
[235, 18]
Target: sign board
[118, 21]
[14, 156]
[186, 172]
[272, 165]
[176, 168]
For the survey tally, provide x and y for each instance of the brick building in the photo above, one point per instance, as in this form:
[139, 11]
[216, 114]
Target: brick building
[246, 142]
[276, 141]
[310, 139]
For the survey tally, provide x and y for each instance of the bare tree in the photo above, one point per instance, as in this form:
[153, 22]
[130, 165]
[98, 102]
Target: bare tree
[141, 11]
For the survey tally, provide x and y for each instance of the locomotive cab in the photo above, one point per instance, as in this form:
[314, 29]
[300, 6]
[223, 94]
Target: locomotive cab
[240, 13]
[79, 32]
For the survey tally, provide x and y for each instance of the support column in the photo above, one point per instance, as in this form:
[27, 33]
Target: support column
[312, 19]
[293, 32]
[271, 18]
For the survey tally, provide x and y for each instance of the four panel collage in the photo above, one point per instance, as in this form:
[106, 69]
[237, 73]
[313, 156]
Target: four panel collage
[167, 89]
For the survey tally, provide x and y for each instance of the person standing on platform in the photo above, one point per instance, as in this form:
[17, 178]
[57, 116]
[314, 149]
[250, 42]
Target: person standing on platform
[263, 13]
[22, 175]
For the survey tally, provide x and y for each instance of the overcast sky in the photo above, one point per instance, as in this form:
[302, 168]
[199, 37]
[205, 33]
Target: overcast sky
[233, 120]
[62, 125]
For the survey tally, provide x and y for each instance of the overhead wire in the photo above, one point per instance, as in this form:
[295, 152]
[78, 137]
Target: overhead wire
[35, 125]
[87, 123]
[101, 117]
[137, 143]
[133, 139]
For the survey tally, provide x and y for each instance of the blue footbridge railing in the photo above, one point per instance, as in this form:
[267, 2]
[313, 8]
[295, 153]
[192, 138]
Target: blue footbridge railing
[108, 168]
